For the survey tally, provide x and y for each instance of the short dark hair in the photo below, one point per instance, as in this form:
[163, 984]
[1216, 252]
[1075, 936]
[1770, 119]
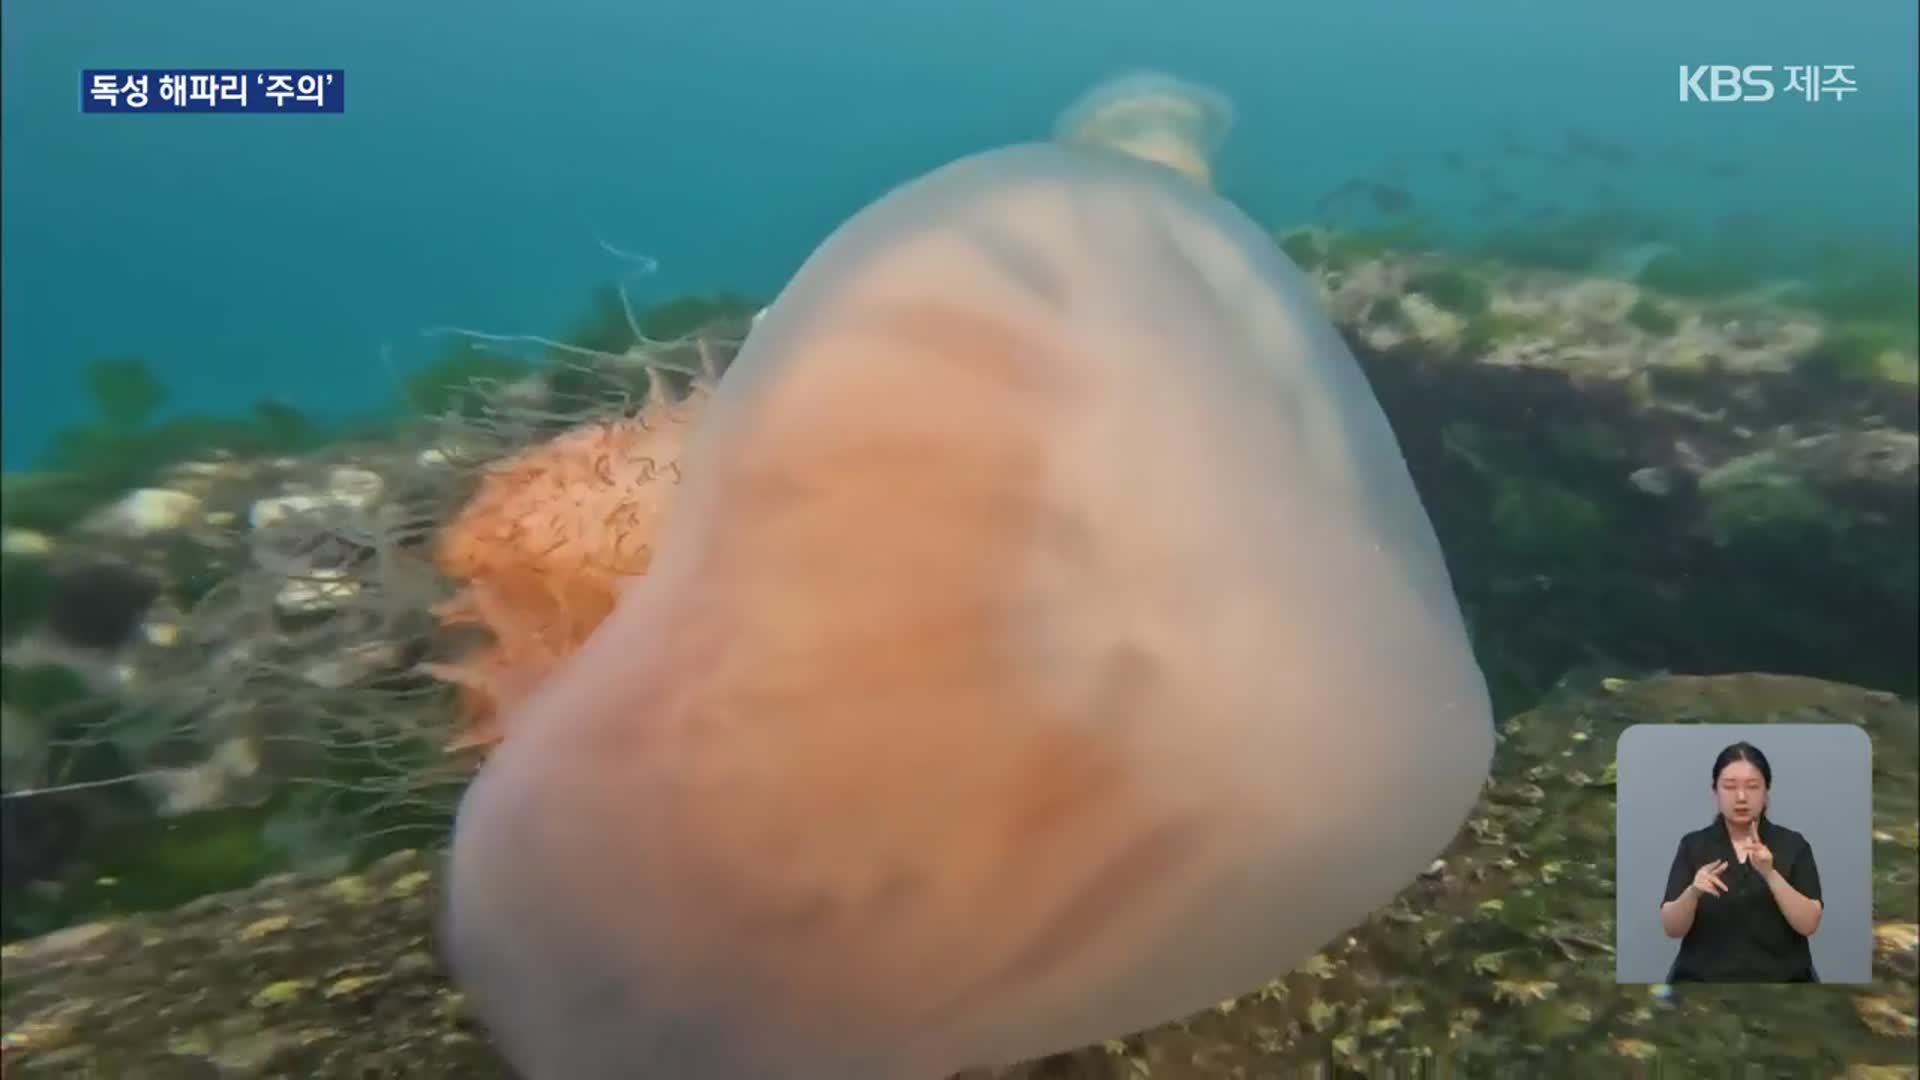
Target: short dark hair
[1742, 751]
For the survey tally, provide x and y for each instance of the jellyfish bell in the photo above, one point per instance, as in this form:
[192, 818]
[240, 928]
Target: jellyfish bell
[1046, 641]
[1152, 117]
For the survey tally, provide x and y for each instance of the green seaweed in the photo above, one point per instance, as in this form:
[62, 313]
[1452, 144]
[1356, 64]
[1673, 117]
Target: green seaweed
[459, 380]
[24, 588]
[151, 865]
[1652, 317]
[1853, 354]
[70, 714]
[1490, 328]
[1590, 447]
[1304, 248]
[120, 459]
[1700, 274]
[52, 502]
[87, 465]
[1385, 311]
[1754, 500]
[686, 315]
[192, 573]
[1346, 247]
[51, 690]
[125, 391]
[1851, 287]
[282, 425]
[1479, 336]
[1471, 444]
[1453, 289]
[1545, 520]
[1537, 519]
[607, 328]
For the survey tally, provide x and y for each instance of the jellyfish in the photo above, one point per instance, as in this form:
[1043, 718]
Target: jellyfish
[1151, 116]
[1045, 641]
[541, 547]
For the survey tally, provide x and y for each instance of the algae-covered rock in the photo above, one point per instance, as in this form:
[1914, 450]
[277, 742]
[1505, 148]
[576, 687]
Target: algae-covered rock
[294, 977]
[1620, 473]
[1499, 960]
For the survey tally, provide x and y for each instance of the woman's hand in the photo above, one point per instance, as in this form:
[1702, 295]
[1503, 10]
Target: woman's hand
[1759, 856]
[1706, 880]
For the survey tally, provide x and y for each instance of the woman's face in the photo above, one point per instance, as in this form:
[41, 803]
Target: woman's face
[1741, 792]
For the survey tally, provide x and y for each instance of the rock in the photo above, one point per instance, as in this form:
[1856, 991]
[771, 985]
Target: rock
[1497, 960]
[209, 479]
[355, 488]
[1652, 480]
[323, 590]
[212, 784]
[1596, 301]
[346, 491]
[1430, 322]
[146, 512]
[98, 605]
[25, 543]
[1571, 323]
[355, 664]
[311, 545]
[281, 509]
[1500, 959]
[23, 749]
[1878, 458]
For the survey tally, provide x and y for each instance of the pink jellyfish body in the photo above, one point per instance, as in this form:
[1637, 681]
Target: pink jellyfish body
[1046, 642]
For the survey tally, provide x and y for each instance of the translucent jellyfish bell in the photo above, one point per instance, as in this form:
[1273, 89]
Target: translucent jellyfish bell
[1046, 642]
[1153, 117]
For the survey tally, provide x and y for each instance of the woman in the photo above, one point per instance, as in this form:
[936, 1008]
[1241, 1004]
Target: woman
[1744, 893]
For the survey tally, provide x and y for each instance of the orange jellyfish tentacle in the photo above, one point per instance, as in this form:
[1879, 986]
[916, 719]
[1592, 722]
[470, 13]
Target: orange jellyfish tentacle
[542, 546]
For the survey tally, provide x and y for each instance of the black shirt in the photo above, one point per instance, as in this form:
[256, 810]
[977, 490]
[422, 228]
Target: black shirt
[1741, 935]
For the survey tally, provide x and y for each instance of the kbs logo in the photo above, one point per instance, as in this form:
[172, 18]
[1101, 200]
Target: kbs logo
[1755, 82]
[1725, 82]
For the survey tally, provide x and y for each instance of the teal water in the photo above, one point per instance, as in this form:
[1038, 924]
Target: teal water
[488, 149]
[495, 160]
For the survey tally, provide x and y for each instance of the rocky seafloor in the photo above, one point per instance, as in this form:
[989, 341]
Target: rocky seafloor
[1497, 962]
[1624, 481]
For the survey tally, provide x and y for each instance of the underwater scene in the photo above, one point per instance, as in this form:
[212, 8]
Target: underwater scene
[906, 541]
